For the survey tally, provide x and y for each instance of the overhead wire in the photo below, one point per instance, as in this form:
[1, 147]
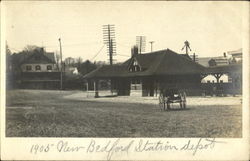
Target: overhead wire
[97, 53]
[123, 55]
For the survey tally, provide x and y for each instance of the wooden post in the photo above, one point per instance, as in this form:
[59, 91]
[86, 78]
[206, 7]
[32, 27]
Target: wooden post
[87, 88]
[96, 89]
[61, 79]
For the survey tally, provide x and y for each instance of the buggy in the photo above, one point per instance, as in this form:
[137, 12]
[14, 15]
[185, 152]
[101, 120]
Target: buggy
[170, 96]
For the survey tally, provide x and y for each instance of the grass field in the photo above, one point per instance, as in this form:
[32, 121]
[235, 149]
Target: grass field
[42, 113]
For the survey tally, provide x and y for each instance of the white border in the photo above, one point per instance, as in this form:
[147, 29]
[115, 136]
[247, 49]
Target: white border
[234, 149]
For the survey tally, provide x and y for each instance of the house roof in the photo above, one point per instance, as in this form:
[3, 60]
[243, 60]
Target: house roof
[23, 57]
[163, 62]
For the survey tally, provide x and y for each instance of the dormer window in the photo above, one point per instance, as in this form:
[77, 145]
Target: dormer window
[134, 67]
[38, 67]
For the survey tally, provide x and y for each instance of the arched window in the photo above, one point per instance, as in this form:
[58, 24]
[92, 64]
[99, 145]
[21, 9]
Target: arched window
[38, 67]
[49, 67]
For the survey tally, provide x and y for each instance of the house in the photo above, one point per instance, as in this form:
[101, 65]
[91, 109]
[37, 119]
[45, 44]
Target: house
[151, 72]
[69, 70]
[36, 70]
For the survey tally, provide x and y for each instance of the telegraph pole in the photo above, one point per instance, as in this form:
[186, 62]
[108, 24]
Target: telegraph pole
[151, 43]
[61, 62]
[109, 40]
[141, 43]
[186, 46]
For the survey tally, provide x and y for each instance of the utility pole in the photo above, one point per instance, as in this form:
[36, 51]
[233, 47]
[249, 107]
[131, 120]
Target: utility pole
[151, 43]
[109, 40]
[186, 46]
[61, 62]
[141, 43]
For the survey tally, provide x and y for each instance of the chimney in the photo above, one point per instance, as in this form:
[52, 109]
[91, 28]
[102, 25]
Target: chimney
[134, 50]
[42, 50]
[224, 54]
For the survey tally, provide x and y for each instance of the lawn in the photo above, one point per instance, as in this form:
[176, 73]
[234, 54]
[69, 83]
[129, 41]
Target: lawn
[44, 113]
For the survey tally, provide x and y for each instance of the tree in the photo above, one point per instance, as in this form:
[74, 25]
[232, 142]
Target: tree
[57, 59]
[29, 49]
[78, 62]
[8, 58]
[212, 62]
[69, 61]
[86, 67]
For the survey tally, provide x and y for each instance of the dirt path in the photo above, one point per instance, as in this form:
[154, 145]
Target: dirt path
[154, 100]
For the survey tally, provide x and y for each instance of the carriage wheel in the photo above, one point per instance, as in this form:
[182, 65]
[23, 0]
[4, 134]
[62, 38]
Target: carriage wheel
[168, 105]
[183, 100]
[161, 102]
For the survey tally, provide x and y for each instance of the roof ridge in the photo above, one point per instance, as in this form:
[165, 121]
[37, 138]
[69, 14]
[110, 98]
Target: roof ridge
[30, 56]
[158, 64]
[158, 51]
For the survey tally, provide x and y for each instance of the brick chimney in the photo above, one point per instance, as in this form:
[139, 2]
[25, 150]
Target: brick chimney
[134, 51]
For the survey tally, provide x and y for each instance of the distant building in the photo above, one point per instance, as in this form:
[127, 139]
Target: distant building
[36, 70]
[71, 70]
[236, 56]
[230, 57]
[213, 61]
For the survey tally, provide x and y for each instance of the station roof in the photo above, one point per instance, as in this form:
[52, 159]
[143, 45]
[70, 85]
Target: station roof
[158, 63]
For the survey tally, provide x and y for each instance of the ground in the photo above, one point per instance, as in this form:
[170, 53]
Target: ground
[45, 113]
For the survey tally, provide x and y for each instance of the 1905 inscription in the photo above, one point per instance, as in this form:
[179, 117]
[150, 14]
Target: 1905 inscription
[111, 147]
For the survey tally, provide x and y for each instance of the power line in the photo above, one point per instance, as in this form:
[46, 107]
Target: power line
[123, 55]
[97, 53]
[75, 44]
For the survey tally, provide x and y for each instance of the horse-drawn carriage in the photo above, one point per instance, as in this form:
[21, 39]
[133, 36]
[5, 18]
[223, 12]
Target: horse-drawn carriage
[169, 96]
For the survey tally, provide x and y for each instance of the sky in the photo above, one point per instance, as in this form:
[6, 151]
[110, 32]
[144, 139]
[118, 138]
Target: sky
[211, 27]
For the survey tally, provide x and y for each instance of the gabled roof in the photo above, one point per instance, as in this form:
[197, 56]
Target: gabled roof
[24, 57]
[158, 63]
[43, 58]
